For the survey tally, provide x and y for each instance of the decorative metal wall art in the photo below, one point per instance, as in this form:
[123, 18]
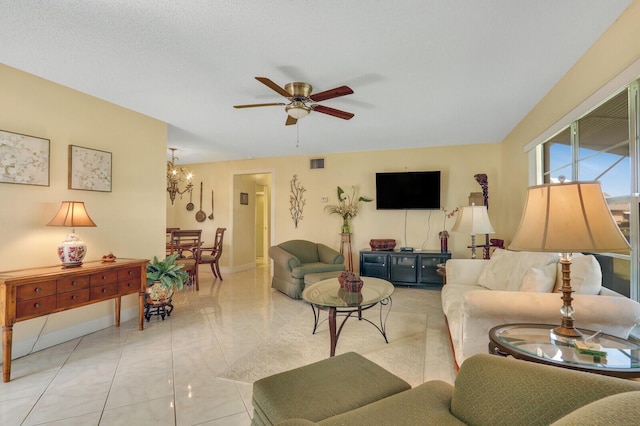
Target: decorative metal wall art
[296, 200]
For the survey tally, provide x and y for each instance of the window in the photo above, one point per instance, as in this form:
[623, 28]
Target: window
[603, 146]
[557, 157]
[598, 146]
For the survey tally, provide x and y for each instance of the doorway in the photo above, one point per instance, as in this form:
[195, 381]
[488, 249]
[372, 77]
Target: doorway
[252, 217]
[262, 223]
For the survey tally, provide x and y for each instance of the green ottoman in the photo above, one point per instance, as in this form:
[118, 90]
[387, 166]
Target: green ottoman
[322, 389]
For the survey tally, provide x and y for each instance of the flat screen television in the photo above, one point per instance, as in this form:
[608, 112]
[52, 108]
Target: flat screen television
[408, 190]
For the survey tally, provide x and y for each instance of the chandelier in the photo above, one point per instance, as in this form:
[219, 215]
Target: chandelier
[176, 175]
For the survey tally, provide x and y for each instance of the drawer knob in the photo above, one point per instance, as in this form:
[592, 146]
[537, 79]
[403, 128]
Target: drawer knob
[74, 283]
[74, 297]
[38, 290]
[130, 272]
[104, 277]
[104, 290]
[36, 305]
[129, 285]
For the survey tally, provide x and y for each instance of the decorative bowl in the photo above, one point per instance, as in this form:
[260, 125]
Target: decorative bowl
[344, 277]
[354, 284]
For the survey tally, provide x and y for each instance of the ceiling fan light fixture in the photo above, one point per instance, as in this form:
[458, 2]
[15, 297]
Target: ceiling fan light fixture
[297, 110]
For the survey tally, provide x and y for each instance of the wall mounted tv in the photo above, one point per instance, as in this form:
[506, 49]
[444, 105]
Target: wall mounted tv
[408, 190]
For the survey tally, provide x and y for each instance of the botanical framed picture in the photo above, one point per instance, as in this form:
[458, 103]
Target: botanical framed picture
[24, 159]
[244, 198]
[89, 169]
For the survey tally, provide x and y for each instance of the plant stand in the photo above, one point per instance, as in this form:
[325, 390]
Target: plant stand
[162, 310]
[157, 301]
[345, 242]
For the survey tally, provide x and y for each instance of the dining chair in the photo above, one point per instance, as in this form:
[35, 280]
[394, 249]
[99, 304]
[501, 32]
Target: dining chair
[211, 255]
[187, 243]
[168, 240]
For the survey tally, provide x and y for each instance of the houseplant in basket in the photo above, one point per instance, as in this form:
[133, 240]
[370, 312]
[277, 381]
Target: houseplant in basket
[163, 277]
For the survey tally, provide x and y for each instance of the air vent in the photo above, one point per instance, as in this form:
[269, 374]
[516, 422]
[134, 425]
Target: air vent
[316, 163]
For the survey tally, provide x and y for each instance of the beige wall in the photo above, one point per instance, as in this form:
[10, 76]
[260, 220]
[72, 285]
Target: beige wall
[128, 221]
[617, 49]
[458, 166]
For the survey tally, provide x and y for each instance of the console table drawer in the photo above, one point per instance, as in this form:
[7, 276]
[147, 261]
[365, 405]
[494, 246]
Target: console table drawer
[31, 291]
[72, 298]
[35, 307]
[104, 277]
[104, 291]
[73, 283]
[129, 273]
[128, 287]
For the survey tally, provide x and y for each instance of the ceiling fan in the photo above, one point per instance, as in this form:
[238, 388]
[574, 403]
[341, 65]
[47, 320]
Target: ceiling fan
[301, 101]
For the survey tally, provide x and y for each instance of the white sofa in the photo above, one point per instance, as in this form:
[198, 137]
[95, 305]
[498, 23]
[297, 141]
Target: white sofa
[522, 287]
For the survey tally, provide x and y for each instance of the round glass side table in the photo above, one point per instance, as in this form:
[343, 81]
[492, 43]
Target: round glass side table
[533, 342]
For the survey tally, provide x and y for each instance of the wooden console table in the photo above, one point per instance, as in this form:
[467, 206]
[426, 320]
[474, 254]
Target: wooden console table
[32, 293]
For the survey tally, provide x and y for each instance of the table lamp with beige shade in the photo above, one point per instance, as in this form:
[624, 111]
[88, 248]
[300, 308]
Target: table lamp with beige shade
[72, 214]
[473, 220]
[568, 218]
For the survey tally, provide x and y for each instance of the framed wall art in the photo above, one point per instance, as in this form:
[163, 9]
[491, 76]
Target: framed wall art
[244, 198]
[89, 169]
[24, 159]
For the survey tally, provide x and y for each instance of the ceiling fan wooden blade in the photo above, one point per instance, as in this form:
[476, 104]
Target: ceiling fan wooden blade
[258, 105]
[290, 120]
[330, 94]
[332, 111]
[273, 86]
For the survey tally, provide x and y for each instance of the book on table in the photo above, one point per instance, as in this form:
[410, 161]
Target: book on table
[590, 348]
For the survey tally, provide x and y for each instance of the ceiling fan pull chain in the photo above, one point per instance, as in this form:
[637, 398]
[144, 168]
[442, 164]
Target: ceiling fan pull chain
[298, 134]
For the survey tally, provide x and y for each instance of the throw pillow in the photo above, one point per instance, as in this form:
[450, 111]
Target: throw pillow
[506, 269]
[539, 280]
[586, 275]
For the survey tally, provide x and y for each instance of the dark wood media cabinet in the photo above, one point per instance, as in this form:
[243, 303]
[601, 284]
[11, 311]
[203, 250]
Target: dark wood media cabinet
[418, 268]
[32, 293]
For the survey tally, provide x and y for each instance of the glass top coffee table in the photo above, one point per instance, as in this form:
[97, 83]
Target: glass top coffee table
[533, 342]
[327, 295]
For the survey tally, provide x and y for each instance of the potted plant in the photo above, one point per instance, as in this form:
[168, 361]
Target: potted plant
[163, 277]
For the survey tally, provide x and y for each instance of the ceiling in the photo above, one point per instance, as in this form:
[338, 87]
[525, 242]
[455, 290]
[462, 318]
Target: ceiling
[424, 72]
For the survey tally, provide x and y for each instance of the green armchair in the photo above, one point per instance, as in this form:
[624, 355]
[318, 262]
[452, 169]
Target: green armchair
[294, 259]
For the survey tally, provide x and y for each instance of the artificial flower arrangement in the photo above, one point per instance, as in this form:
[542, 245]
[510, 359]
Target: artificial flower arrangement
[347, 206]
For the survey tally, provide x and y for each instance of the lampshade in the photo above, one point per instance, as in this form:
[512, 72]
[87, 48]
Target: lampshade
[568, 218]
[72, 214]
[473, 220]
[297, 110]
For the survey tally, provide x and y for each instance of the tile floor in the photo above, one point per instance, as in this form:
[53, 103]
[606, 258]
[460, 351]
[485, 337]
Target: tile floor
[169, 374]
